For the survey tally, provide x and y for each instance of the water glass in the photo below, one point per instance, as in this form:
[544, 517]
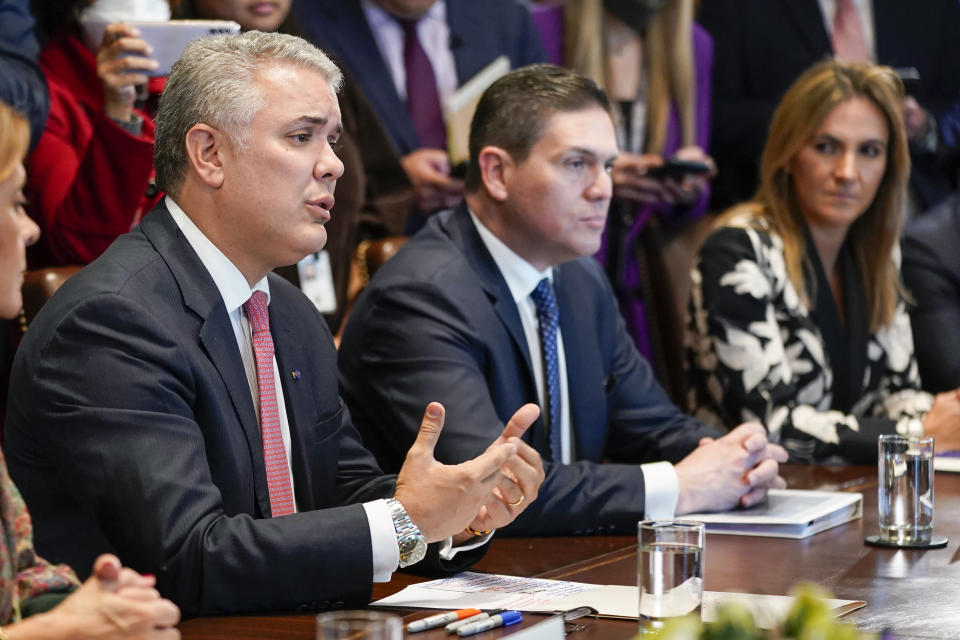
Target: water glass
[357, 625]
[669, 570]
[905, 492]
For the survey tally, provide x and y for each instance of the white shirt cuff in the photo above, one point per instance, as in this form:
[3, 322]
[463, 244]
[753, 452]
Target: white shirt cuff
[383, 540]
[661, 490]
[448, 551]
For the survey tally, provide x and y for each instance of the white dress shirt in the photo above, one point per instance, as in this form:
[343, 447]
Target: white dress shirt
[434, 34]
[864, 10]
[235, 291]
[661, 487]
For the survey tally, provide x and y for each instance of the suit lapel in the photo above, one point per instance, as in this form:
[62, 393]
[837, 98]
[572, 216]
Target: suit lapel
[465, 235]
[858, 324]
[580, 375]
[808, 20]
[470, 42]
[216, 335]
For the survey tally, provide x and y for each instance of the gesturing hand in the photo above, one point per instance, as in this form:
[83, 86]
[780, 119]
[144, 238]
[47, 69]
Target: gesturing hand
[520, 477]
[443, 499]
[735, 469]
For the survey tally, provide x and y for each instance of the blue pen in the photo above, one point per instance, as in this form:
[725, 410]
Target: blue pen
[504, 619]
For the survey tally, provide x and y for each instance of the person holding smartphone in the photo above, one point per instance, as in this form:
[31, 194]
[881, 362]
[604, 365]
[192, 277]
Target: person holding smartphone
[91, 174]
[655, 64]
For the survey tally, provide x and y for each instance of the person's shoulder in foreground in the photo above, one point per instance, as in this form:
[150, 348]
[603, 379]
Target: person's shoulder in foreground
[454, 315]
[931, 271]
[178, 405]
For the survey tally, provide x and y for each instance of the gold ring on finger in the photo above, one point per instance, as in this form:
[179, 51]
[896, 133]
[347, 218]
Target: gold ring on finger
[518, 502]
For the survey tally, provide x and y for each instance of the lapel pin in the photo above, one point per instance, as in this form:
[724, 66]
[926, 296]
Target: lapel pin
[295, 374]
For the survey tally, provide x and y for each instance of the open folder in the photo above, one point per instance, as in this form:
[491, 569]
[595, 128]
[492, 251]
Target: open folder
[538, 595]
[458, 108]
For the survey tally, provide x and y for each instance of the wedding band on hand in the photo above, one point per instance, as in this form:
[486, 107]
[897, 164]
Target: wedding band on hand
[518, 502]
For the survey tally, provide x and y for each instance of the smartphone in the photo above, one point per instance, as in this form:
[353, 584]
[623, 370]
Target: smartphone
[677, 169]
[910, 77]
[168, 39]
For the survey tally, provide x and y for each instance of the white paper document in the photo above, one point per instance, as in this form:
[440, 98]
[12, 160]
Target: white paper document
[537, 595]
[947, 462]
[787, 513]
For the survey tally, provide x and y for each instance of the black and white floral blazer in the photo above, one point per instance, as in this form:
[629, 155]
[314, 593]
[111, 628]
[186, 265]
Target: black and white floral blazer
[825, 389]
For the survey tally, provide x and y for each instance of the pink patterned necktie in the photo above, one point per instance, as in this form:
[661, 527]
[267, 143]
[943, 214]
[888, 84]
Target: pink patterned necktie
[274, 455]
[849, 43]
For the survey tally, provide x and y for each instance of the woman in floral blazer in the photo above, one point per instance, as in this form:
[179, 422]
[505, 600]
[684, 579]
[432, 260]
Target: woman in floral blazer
[797, 315]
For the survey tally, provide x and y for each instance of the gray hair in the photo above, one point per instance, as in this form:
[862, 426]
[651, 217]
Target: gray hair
[212, 83]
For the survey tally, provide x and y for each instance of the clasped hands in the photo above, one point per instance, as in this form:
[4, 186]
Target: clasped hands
[735, 469]
[485, 493]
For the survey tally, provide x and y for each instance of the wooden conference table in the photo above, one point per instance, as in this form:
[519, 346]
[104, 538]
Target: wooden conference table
[916, 593]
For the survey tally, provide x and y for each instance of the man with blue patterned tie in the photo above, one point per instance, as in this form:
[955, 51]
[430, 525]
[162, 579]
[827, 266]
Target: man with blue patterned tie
[499, 302]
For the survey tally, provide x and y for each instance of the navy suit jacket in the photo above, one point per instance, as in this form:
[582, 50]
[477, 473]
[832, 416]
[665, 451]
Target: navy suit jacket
[762, 46]
[438, 322]
[131, 429]
[931, 271]
[479, 33]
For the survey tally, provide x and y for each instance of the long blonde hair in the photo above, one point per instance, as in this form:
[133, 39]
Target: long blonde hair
[668, 63]
[873, 236]
[14, 139]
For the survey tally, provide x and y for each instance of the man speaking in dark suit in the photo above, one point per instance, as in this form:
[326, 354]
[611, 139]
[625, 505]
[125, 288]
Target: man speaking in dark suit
[177, 404]
[499, 303]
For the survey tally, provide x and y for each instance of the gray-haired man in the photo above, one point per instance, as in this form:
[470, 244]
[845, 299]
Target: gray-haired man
[173, 396]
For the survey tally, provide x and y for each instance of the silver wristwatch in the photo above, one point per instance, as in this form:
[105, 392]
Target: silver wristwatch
[410, 542]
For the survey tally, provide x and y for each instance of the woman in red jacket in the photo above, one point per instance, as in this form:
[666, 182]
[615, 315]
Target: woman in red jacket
[91, 175]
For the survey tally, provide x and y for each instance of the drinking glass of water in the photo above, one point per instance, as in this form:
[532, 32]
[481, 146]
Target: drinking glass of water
[357, 625]
[669, 570]
[905, 493]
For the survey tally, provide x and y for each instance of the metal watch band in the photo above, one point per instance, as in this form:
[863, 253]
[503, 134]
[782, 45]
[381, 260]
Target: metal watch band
[410, 541]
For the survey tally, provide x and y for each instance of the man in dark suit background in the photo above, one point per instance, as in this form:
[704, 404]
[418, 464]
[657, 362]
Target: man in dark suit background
[931, 271]
[456, 313]
[408, 55]
[763, 45]
[177, 405]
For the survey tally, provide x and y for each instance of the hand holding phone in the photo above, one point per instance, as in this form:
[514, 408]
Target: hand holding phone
[678, 169]
[123, 63]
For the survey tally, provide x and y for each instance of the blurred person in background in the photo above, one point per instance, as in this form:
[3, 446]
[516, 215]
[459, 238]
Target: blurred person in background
[762, 46]
[408, 56]
[655, 64]
[91, 174]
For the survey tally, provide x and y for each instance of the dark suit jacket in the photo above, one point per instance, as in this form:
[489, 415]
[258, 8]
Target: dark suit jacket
[132, 430]
[479, 33]
[438, 323]
[931, 271]
[763, 45]
[22, 84]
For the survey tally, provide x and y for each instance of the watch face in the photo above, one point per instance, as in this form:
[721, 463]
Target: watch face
[412, 551]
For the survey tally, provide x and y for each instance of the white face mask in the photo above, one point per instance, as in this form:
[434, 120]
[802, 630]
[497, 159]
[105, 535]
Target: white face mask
[125, 10]
[95, 17]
